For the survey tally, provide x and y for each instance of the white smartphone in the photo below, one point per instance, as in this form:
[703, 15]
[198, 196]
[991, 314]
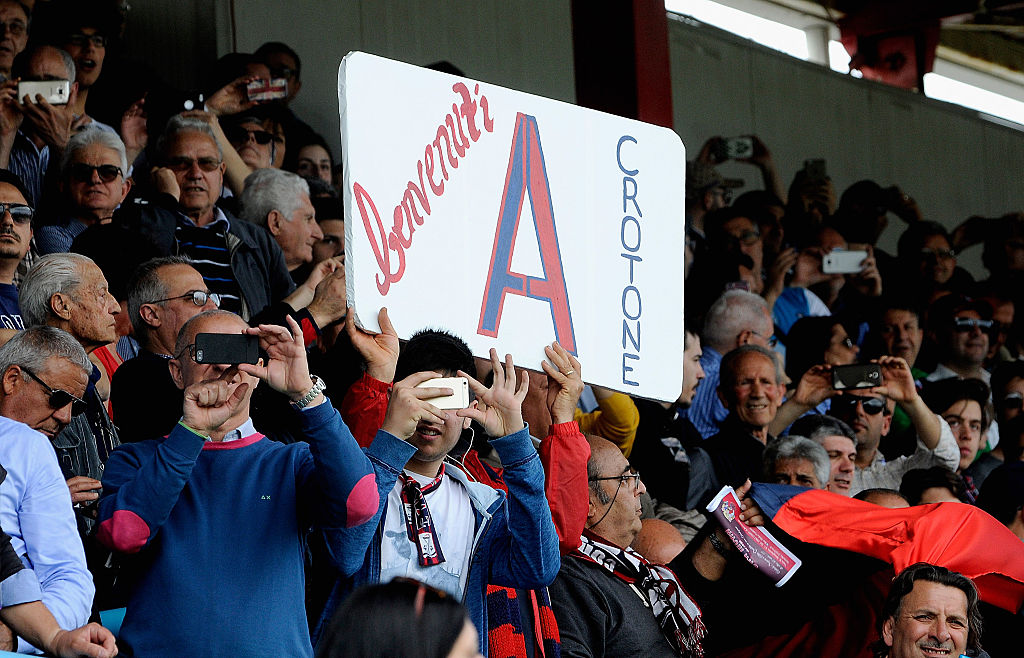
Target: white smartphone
[459, 399]
[843, 262]
[54, 91]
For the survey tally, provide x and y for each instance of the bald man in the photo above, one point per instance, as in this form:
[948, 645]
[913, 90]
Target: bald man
[658, 541]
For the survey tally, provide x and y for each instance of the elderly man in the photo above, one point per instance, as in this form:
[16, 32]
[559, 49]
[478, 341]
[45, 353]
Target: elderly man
[163, 294]
[35, 132]
[930, 611]
[93, 183]
[279, 202]
[15, 242]
[239, 261]
[796, 461]
[15, 19]
[840, 444]
[736, 318]
[44, 375]
[751, 389]
[165, 500]
[68, 291]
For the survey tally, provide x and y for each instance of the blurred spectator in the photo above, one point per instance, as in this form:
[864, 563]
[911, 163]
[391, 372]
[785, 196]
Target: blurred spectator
[284, 62]
[922, 486]
[814, 341]
[14, 15]
[1003, 496]
[410, 618]
[883, 498]
[861, 215]
[312, 160]
[751, 386]
[796, 461]
[737, 318]
[809, 204]
[840, 444]
[706, 190]
[279, 202]
[929, 263]
[900, 331]
[83, 31]
[960, 327]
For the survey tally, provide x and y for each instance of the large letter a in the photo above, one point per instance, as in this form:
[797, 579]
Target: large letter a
[526, 171]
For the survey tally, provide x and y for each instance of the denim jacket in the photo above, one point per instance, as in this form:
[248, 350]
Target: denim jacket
[515, 543]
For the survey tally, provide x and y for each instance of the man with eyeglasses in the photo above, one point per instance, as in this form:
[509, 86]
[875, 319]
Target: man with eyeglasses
[93, 185]
[961, 328]
[163, 294]
[15, 241]
[869, 413]
[14, 23]
[239, 261]
[44, 372]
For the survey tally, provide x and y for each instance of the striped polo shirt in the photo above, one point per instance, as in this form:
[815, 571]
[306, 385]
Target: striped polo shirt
[207, 247]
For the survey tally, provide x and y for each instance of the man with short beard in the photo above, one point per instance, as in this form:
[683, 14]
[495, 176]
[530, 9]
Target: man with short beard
[15, 238]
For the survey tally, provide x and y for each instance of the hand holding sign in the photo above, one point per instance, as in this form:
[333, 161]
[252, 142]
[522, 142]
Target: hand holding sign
[379, 351]
[500, 407]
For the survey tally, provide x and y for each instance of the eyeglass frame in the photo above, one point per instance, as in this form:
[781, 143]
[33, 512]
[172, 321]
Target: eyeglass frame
[82, 166]
[5, 208]
[180, 163]
[216, 297]
[773, 340]
[80, 38]
[75, 401]
[633, 473]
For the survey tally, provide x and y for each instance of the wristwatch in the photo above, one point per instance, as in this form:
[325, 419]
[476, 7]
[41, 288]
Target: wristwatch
[319, 386]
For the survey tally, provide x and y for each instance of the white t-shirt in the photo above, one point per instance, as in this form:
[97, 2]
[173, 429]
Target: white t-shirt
[452, 512]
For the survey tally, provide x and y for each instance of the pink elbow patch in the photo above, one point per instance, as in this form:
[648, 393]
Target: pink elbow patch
[124, 531]
[362, 501]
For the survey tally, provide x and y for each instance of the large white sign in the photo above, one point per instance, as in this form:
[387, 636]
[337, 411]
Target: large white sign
[514, 220]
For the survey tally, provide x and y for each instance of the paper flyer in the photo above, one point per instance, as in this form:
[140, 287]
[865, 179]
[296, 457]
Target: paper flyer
[757, 545]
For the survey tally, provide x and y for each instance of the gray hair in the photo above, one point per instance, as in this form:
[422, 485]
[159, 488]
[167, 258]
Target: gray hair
[51, 274]
[87, 137]
[726, 376]
[733, 313]
[69, 63]
[797, 447]
[271, 189]
[33, 347]
[145, 287]
[178, 125]
[818, 427]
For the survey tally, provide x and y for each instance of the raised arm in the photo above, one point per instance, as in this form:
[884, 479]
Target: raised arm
[898, 385]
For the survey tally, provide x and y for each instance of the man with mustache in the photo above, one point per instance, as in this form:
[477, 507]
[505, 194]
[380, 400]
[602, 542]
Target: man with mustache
[15, 238]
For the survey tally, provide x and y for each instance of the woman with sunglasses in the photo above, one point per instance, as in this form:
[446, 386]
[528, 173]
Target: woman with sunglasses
[402, 618]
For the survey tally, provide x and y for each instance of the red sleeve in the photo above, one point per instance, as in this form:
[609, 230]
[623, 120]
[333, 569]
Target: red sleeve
[363, 408]
[564, 454]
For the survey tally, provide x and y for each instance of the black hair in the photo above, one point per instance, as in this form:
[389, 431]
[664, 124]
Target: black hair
[14, 180]
[917, 480]
[437, 350]
[1002, 493]
[908, 248]
[1002, 375]
[806, 343]
[943, 394]
[271, 47]
[401, 618]
[903, 584]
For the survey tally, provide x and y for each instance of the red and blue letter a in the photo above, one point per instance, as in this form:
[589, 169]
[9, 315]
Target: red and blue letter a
[526, 172]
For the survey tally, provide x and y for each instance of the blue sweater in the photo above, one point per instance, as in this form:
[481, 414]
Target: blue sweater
[220, 527]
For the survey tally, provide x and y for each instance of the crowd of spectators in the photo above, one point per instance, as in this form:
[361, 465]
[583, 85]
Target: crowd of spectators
[153, 241]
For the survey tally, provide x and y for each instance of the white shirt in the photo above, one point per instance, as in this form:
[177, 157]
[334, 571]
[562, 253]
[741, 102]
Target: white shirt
[452, 513]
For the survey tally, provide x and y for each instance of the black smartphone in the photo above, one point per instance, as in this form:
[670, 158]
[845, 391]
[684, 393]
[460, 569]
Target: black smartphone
[815, 170]
[227, 348]
[857, 375]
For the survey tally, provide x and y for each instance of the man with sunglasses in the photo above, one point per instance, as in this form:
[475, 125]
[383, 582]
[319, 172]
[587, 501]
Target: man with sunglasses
[15, 242]
[869, 413]
[163, 294]
[961, 327]
[93, 184]
[43, 376]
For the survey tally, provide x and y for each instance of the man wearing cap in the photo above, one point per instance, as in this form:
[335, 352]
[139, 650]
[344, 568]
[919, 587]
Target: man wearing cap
[961, 326]
[706, 190]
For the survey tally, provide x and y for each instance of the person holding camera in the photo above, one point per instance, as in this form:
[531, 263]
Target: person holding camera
[219, 501]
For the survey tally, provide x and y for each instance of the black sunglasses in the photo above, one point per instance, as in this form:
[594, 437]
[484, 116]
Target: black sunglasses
[871, 406]
[240, 134]
[59, 398]
[82, 172]
[20, 213]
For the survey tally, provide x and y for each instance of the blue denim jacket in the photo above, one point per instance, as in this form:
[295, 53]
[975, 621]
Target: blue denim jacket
[515, 543]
